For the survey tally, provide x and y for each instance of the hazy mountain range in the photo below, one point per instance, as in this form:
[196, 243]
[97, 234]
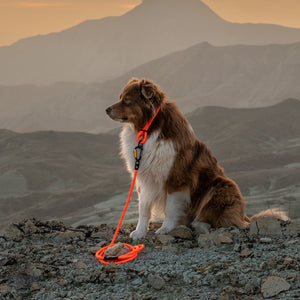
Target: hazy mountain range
[234, 76]
[53, 174]
[102, 49]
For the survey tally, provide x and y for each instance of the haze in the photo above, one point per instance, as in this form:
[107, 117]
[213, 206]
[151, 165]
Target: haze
[20, 19]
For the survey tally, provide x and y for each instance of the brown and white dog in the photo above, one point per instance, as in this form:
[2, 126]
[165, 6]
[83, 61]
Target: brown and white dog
[178, 174]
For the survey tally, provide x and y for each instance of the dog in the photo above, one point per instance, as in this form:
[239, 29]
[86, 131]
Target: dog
[178, 175]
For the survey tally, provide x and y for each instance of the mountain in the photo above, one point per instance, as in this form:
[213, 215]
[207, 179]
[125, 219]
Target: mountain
[234, 76]
[80, 176]
[97, 50]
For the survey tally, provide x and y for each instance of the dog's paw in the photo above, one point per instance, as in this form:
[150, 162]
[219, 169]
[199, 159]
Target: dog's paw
[137, 234]
[163, 230]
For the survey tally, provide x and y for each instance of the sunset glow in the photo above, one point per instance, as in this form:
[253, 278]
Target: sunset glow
[42, 4]
[20, 19]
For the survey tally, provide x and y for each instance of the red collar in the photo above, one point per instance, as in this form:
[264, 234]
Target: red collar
[141, 137]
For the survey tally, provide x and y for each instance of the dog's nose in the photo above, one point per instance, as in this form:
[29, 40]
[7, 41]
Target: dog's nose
[108, 110]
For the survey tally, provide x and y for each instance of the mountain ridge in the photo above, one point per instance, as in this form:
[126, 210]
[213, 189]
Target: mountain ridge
[103, 49]
[202, 75]
[75, 175]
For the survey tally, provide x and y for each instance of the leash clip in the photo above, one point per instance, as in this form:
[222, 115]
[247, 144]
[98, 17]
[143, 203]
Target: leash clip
[137, 153]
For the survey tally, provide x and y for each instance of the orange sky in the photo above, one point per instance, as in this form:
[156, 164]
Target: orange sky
[22, 18]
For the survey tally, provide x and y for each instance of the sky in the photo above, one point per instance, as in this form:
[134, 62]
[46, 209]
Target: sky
[24, 18]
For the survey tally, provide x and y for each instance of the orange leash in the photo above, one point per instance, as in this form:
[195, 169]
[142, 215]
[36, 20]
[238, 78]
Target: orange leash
[100, 255]
[133, 249]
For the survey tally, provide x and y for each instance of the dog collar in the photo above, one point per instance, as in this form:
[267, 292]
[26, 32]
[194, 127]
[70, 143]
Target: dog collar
[141, 137]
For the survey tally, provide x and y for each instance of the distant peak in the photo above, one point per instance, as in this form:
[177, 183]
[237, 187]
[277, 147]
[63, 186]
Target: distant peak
[289, 101]
[180, 8]
[174, 3]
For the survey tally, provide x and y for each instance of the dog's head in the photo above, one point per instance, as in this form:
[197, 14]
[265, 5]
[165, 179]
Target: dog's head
[138, 103]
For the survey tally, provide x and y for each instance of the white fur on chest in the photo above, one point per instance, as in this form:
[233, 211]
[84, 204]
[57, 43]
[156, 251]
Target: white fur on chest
[157, 158]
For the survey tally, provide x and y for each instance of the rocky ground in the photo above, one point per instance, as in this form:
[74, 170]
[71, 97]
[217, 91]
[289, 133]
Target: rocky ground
[48, 260]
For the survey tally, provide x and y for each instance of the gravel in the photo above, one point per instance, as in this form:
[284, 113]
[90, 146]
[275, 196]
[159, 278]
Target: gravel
[48, 260]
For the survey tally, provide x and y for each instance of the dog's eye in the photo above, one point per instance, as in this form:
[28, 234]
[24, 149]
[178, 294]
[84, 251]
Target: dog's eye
[126, 100]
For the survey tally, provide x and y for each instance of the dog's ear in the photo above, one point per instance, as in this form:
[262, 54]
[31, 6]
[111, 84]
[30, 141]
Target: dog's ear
[147, 89]
[132, 80]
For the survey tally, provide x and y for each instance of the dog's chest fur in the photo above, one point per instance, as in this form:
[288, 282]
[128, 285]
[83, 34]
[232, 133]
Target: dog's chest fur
[157, 158]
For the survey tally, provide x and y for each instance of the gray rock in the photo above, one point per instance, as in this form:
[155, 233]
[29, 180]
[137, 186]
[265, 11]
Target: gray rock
[182, 232]
[217, 237]
[246, 253]
[273, 286]
[266, 226]
[205, 240]
[222, 238]
[165, 239]
[68, 235]
[98, 246]
[5, 288]
[201, 227]
[14, 233]
[30, 228]
[35, 287]
[116, 250]
[265, 240]
[293, 228]
[156, 281]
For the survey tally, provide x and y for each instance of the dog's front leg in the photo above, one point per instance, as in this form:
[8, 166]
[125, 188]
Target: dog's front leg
[176, 204]
[144, 217]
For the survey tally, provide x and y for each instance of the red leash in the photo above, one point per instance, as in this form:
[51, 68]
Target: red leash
[100, 255]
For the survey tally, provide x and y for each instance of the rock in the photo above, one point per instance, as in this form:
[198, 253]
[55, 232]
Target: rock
[94, 250]
[288, 261]
[293, 228]
[47, 259]
[5, 288]
[35, 287]
[156, 281]
[169, 248]
[63, 282]
[14, 233]
[291, 276]
[165, 239]
[217, 238]
[237, 247]
[246, 253]
[273, 286]
[182, 232]
[68, 235]
[116, 250]
[35, 271]
[266, 226]
[265, 240]
[263, 265]
[205, 240]
[252, 286]
[103, 234]
[80, 265]
[223, 239]
[201, 227]
[30, 228]
[8, 260]
[97, 247]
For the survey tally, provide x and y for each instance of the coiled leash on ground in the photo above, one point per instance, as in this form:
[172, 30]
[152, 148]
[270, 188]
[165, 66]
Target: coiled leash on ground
[141, 138]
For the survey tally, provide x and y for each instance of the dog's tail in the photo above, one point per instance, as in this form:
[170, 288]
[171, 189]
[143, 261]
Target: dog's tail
[272, 212]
